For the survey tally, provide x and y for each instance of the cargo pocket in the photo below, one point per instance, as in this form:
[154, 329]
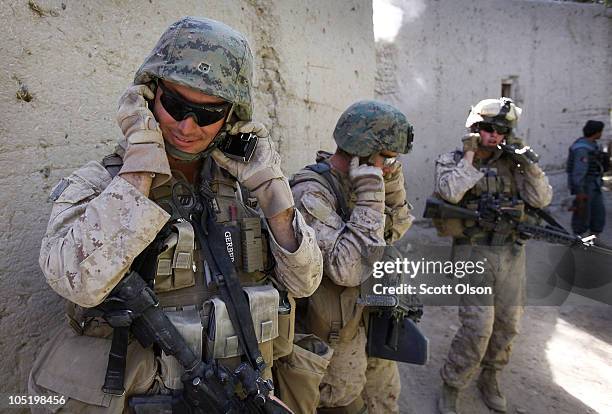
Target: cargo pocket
[74, 366]
[299, 374]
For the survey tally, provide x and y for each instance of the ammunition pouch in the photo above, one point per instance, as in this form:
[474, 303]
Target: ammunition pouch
[283, 344]
[175, 264]
[333, 312]
[222, 340]
[188, 323]
[450, 227]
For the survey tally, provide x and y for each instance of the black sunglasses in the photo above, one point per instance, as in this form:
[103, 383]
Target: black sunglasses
[179, 108]
[501, 130]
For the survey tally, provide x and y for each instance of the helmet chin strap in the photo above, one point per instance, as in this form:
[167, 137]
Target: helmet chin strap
[186, 156]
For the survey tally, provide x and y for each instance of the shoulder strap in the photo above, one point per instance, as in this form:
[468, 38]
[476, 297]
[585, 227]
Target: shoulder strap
[325, 177]
[113, 164]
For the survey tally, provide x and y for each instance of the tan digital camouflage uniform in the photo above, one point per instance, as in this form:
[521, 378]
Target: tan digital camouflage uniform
[488, 325]
[99, 225]
[344, 246]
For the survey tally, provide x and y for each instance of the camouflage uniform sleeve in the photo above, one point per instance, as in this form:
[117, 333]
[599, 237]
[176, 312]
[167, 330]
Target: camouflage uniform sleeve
[300, 271]
[97, 228]
[397, 221]
[397, 209]
[453, 180]
[533, 186]
[349, 248]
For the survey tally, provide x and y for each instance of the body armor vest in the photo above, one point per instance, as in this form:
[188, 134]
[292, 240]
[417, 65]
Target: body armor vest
[333, 312]
[179, 277]
[598, 160]
[182, 280]
[184, 285]
[498, 187]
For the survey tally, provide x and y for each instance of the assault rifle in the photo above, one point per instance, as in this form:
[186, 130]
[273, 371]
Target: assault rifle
[208, 387]
[582, 265]
[501, 220]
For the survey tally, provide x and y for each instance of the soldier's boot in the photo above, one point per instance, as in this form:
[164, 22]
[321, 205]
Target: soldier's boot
[447, 403]
[489, 389]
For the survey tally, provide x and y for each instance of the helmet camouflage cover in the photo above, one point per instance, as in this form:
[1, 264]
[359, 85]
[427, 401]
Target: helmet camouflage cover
[205, 55]
[501, 111]
[368, 127]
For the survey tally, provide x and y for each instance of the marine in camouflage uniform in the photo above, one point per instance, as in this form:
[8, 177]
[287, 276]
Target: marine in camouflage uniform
[105, 215]
[369, 134]
[488, 323]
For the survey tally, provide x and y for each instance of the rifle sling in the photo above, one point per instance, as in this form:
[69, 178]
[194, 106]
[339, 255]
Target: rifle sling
[212, 244]
[115, 369]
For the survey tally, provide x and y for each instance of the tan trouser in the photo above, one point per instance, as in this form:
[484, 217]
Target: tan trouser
[351, 374]
[382, 388]
[488, 325]
[73, 366]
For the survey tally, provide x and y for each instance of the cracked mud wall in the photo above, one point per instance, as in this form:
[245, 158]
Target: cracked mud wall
[449, 54]
[69, 61]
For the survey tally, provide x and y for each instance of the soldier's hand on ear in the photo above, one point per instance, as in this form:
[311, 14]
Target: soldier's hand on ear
[471, 142]
[145, 151]
[368, 184]
[262, 175]
[245, 127]
[395, 192]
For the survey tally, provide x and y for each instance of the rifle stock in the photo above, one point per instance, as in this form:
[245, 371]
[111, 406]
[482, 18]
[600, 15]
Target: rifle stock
[439, 209]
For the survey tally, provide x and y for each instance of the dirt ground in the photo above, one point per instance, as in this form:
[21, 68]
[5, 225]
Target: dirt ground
[561, 361]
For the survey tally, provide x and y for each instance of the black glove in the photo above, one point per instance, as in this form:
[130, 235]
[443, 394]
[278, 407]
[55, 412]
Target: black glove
[521, 153]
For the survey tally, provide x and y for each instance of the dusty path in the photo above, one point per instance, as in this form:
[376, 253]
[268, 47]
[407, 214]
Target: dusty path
[561, 363]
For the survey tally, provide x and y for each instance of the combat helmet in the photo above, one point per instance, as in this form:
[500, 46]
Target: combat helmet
[205, 55]
[501, 111]
[368, 127]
